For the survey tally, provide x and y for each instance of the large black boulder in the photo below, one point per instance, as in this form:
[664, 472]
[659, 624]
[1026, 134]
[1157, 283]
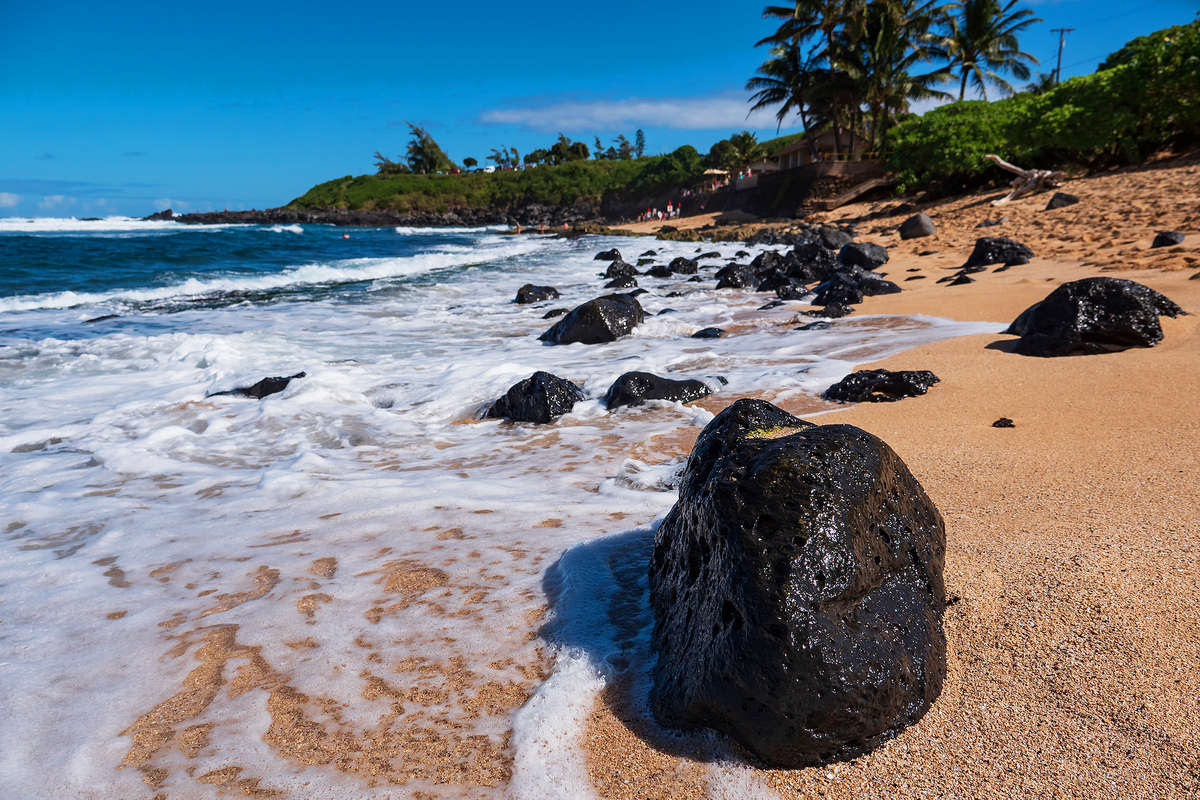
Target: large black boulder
[998, 250]
[867, 255]
[833, 238]
[916, 226]
[850, 285]
[264, 388]
[604, 319]
[619, 269]
[535, 294]
[812, 262]
[881, 385]
[797, 590]
[1092, 315]
[539, 398]
[635, 388]
[608, 255]
[659, 271]
[624, 282]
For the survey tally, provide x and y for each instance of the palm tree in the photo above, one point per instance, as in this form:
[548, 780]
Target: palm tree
[894, 42]
[795, 84]
[1043, 83]
[744, 149]
[982, 42]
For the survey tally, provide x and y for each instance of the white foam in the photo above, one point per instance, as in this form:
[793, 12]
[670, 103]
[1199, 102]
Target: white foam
[107, 224]
[407, 230]
[286, 229]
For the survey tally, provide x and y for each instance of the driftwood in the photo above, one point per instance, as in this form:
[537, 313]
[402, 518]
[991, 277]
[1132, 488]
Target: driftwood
[1028, 181]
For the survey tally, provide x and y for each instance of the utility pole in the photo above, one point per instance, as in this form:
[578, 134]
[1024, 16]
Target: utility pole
[1062, 32]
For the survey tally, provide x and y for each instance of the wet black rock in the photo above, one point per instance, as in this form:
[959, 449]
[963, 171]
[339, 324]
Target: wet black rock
[649, 253]
[772, 280]
[768, 260]
[736, 276]
[635, 388]
[667, 310]
[850, 285]
[623, 282]
[103, 317]
[535, 294]
[812, 262]
[619, 269]
[998, 250]
[608, 255]
[710, 254]
[658, 271]
[741, 254]
[604, 319]
[641, 262]
[916, 226]
[831, 311]
[792, 291]
[695, 279]
[539, 398]
[166, 215]
[867, 255]
[1093, 315]
[1004, 422]
[709, 333]
[265, 387]
[1061, 200]
[880, 386]
[819, 325]
[683, 266]
[797, 590]
[554, 312]
[1167, 239]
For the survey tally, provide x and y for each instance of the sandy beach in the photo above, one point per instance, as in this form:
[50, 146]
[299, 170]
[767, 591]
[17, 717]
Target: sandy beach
[1072, 539]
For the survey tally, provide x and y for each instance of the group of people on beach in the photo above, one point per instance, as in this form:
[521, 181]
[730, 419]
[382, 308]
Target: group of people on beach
[659, 214]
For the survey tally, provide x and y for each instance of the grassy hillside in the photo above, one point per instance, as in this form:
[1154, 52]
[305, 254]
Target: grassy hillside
[561, 185]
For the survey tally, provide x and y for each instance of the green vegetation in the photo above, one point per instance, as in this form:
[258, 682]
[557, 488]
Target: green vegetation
[564, 184]
[1142, 98]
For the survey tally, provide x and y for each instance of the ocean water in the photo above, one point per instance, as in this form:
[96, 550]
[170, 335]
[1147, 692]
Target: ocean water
[353, 588]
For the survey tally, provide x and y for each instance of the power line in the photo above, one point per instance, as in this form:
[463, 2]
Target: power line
[1062, 32]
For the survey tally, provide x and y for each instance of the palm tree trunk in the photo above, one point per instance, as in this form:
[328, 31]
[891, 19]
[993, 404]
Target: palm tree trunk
[962, 87]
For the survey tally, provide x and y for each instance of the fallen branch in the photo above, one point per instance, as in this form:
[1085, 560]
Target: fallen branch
[1028, 181]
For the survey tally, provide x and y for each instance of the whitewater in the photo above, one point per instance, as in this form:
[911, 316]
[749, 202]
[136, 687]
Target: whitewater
[356, 587]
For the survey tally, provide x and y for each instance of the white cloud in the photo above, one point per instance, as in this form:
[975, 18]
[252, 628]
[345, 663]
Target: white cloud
[720, 112]
[51, 201]
[166, 202]
[8, 199]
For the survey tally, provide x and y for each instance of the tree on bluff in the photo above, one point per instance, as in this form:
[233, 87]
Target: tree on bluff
[424, 154]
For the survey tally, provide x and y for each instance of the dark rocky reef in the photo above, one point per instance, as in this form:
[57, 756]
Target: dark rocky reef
[797, 590]
[604, 319]
[265, 387]
[880, 386]
[1092, 315]
[635, 388]
[539, 398]
[535, 294]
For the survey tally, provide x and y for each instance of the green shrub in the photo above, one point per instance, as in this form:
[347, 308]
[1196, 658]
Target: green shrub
[1145, 96]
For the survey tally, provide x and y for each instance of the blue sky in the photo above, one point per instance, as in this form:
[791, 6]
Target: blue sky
[127, 108]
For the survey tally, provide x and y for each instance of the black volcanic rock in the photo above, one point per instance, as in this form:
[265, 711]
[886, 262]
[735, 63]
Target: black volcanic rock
[832, 238]
[683, 266]
[1004, 422]
[709, 333]
[819, 325]
[831, 311]
[867, 255]
[604, 319]
[264, 388]
[812, 262]
[1061, 200]
[539, 398]
[736, 276]
[1167, 239]
[710, 254]
[659, 271]
[916, 226]
[648, 253]
[608, 255]
[554, 312]
[641, 262]
[619, 269]
[797, 590]
[635, 388]
[623, 282]
[1092, 315]
[772, 280]
[535, 294]
[998, 250]
[880, 386]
